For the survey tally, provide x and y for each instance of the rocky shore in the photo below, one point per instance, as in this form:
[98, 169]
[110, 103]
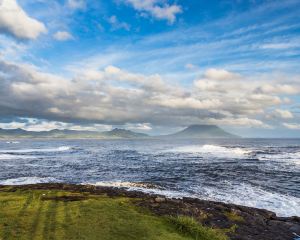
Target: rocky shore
[239, 222]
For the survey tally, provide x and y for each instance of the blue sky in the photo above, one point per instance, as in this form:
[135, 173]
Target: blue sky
[153, 65]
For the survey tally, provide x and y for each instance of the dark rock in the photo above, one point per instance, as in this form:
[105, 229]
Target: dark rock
[295, 228]
[159, 199]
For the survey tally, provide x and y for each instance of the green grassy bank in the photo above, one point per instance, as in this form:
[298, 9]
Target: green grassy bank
[56, 214]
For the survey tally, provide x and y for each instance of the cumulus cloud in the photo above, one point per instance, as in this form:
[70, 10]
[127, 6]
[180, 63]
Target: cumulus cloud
[240, 122]
[218, 80]
[63, 36]
[157, 8]
[285, 114]
[188, 103]
[113, 96]
[36, 125]
[278, 89]
[15, 21]
[220, 74]
[294, 126]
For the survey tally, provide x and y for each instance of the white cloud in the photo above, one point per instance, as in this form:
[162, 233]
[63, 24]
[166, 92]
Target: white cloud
[15, 21]
[117, 97]
[116, 24]
[220, 74]
[206, 85]
[283, 113]
[295, 126]
[157, 9]
[63, 36]
[218, 80]
[188, 103]
[139, 126]
[280, 46]
[77, 4]
[278, 89]
[36, 125]
[241, 122]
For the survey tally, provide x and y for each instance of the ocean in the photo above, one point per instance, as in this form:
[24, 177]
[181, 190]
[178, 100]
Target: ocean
[261, 173]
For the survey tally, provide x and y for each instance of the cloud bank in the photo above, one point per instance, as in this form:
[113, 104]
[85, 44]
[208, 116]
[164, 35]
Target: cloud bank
[117, 97]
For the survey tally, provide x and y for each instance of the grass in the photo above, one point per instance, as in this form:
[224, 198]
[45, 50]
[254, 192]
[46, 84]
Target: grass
[49, 215]
[190, 227]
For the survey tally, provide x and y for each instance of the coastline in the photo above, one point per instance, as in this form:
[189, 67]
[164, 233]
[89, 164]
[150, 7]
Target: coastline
[246, 223]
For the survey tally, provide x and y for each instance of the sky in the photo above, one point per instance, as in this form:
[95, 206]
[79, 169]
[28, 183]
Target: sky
[152, 66]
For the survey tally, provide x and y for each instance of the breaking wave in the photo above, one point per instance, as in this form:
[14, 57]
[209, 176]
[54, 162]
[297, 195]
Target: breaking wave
[142, 187]
[287, 158]
[59, 149]
[241, 194]
[28, 180]
[14, 156]
[214, 150]
[253, 196]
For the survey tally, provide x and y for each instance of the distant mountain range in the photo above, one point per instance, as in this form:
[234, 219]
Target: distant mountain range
[193, 131]
[71, 134]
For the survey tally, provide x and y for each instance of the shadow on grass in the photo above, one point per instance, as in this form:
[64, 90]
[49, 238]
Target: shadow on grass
[50, 221]
[67, 220]
[13, 230]
[26, 205]
[36, 220]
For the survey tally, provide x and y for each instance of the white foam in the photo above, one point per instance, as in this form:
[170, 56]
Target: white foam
[121, 184]
[59, 149]
[27, 180]
[11, 156]
[129, 185]
[13, 142]
[142, 187]
[247, 195]
[6, 156]
[288, 158]
[242, 194]
[217, 151]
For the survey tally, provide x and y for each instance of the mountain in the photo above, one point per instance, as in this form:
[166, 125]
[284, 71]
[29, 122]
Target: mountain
[193, 131]
[202, 131]
[71, 134]
[123, 133]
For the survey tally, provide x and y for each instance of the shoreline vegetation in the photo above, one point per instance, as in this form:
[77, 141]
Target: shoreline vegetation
[66, 211]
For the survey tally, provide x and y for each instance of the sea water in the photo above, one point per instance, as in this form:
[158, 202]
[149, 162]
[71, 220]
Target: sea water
[262, 173]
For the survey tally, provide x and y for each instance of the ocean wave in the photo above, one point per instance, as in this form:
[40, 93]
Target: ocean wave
[217, 151]
[14, 156]
[241, 194]
[12, 142]
[142, 187]
[120, 184]
[253, 196]
[58, 149]
[28, 180]
[288, 158]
